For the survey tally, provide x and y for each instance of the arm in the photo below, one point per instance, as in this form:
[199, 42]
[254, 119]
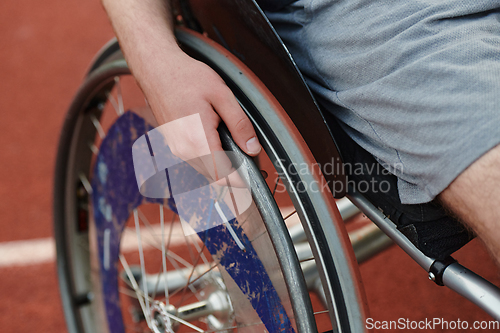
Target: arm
[175, 84]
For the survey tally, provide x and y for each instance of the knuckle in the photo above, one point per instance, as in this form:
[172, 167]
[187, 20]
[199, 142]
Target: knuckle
[180, 148]
[183, 152]
[243, 125]
[220, 92]
[193, 145]
[192, 139]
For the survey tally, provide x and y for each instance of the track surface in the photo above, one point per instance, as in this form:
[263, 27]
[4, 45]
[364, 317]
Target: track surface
[46, 47]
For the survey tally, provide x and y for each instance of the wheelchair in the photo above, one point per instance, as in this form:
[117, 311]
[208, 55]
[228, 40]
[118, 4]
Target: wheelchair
[129, 263]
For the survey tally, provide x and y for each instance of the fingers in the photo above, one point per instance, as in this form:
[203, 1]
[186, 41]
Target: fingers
[220, 166]
[203, 94]
[195, 140]
[236, 121]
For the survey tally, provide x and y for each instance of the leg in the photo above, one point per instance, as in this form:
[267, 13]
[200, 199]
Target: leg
[474, 197]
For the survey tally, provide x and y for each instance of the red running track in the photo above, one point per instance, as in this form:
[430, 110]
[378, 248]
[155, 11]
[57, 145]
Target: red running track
[46, 47]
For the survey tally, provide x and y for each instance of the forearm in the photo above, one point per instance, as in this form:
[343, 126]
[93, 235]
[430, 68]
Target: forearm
[176, 85]
[144, 29]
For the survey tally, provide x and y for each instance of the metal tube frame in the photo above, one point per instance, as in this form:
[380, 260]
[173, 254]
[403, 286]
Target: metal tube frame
[456, 277]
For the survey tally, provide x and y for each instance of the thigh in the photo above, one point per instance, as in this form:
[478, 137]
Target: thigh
[474, 196]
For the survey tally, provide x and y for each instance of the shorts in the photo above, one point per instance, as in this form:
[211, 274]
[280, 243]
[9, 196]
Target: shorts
[415, 83]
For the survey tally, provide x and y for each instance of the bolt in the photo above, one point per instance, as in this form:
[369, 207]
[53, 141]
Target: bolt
[432, 277]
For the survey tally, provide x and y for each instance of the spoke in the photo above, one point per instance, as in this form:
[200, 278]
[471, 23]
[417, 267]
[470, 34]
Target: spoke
[289, 215]
[226, 223]
[198, 248]
[321, 312]
[85, 183]
[258, 236]
[131, 294]
[170, 233]
[192, 282]
[157, 246]
[138, 292]
[307, 259]
[203, 274]
[190, 250]
[196, 328]
[167, 249]
[106, 249]
[113, 102]
[191, 287]
[157, 283]
[97, 126]
[229, 227]
[150, 228]
[171, 255]
[128, 292]
[134, 293]
[141, 258]
[164, 261]
[119, 95]
[93, 148]
[188, 282]
[276, 185]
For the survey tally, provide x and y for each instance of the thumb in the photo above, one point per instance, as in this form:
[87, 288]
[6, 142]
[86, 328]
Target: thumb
[240, 127]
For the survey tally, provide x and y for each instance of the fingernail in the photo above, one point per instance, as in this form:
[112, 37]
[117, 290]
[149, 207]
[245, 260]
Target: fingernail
[253, 146]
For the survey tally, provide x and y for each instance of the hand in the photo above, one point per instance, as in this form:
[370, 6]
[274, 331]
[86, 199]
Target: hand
[179, 88]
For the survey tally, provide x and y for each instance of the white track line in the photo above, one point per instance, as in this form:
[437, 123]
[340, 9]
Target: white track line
[27, 252]
[43, 250]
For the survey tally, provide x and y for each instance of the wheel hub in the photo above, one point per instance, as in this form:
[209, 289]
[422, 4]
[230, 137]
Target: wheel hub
[160, 319]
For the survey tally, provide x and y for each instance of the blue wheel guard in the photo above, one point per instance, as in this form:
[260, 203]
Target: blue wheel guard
[116, 194]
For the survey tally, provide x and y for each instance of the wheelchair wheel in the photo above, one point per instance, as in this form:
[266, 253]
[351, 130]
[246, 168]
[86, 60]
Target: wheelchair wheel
[127, 263]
